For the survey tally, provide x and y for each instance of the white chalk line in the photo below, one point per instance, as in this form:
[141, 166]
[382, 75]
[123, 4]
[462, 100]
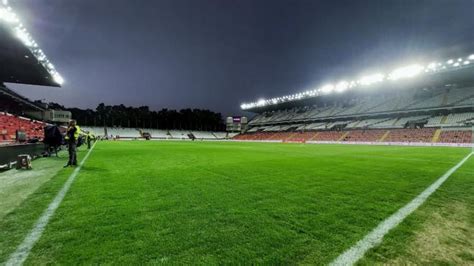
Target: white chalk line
[23, 250]
[356, 252]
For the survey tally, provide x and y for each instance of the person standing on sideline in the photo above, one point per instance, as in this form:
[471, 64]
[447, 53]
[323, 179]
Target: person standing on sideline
[72, 135]
[89, 138]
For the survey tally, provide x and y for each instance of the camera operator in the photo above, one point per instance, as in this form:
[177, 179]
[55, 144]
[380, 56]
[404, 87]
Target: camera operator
[72, 135]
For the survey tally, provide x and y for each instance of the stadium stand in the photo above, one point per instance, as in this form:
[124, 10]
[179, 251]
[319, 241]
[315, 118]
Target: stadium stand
[120, 132]
[403, 121]
[9, 124]
[178, 134]
[411, 135]
[127, 133]
[220, 135]
[329, 136]
[255, 136]
[435, 121]
[370, 135]
[97, 131]
[459, 119]
[301, 136]
[456, 136]
[231, 135]
[156, 133]
[203, 135]
[423, 114]
[406, 100]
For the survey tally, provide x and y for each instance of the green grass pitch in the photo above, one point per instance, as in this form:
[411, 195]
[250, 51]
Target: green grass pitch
[236, 203]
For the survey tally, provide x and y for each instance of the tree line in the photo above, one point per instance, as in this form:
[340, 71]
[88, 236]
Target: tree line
[143, 117]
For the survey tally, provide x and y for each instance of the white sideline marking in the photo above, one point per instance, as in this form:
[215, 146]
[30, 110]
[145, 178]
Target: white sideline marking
[23, 250]
[356, 252]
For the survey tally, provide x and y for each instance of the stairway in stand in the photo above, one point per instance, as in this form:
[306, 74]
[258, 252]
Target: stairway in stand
[443, 120]
[436, 136]
[384, 136]
[343, 136]
[314, 137]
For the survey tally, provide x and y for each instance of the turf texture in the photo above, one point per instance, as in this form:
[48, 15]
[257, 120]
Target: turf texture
[228, 203]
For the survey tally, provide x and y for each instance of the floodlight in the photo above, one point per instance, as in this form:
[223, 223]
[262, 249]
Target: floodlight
[8, 16]
[406, 72]
[399, 73]
[327, 88]
[370, 79]
[432, 65]
[57, 78]
[41, 57]
[342, 86]
[24, 37]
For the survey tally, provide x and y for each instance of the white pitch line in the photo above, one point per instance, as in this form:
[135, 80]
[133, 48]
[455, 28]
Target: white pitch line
[23, 250]
[356, 252]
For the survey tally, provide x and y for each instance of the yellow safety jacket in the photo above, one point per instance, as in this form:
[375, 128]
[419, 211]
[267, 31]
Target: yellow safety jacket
[76, 134]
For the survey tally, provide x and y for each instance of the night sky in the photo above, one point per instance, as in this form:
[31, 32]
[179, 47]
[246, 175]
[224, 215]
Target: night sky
[216, 54]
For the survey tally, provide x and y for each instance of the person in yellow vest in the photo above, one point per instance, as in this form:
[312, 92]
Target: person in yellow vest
[90, 138]
[72, 135]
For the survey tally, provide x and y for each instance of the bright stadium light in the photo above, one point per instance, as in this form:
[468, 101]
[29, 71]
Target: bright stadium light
[328, 88]
[433, 66]
[58, 79]
[342, 86]
[405, 72]
[371, 79]
[399, 73]
[7, 15]
[23, 35]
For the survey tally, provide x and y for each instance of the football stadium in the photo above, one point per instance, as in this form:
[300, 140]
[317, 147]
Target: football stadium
[373, 169]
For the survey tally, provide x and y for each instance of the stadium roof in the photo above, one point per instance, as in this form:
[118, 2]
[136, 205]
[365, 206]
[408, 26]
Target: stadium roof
[21, 58]
[15, 99]
[433, 72]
